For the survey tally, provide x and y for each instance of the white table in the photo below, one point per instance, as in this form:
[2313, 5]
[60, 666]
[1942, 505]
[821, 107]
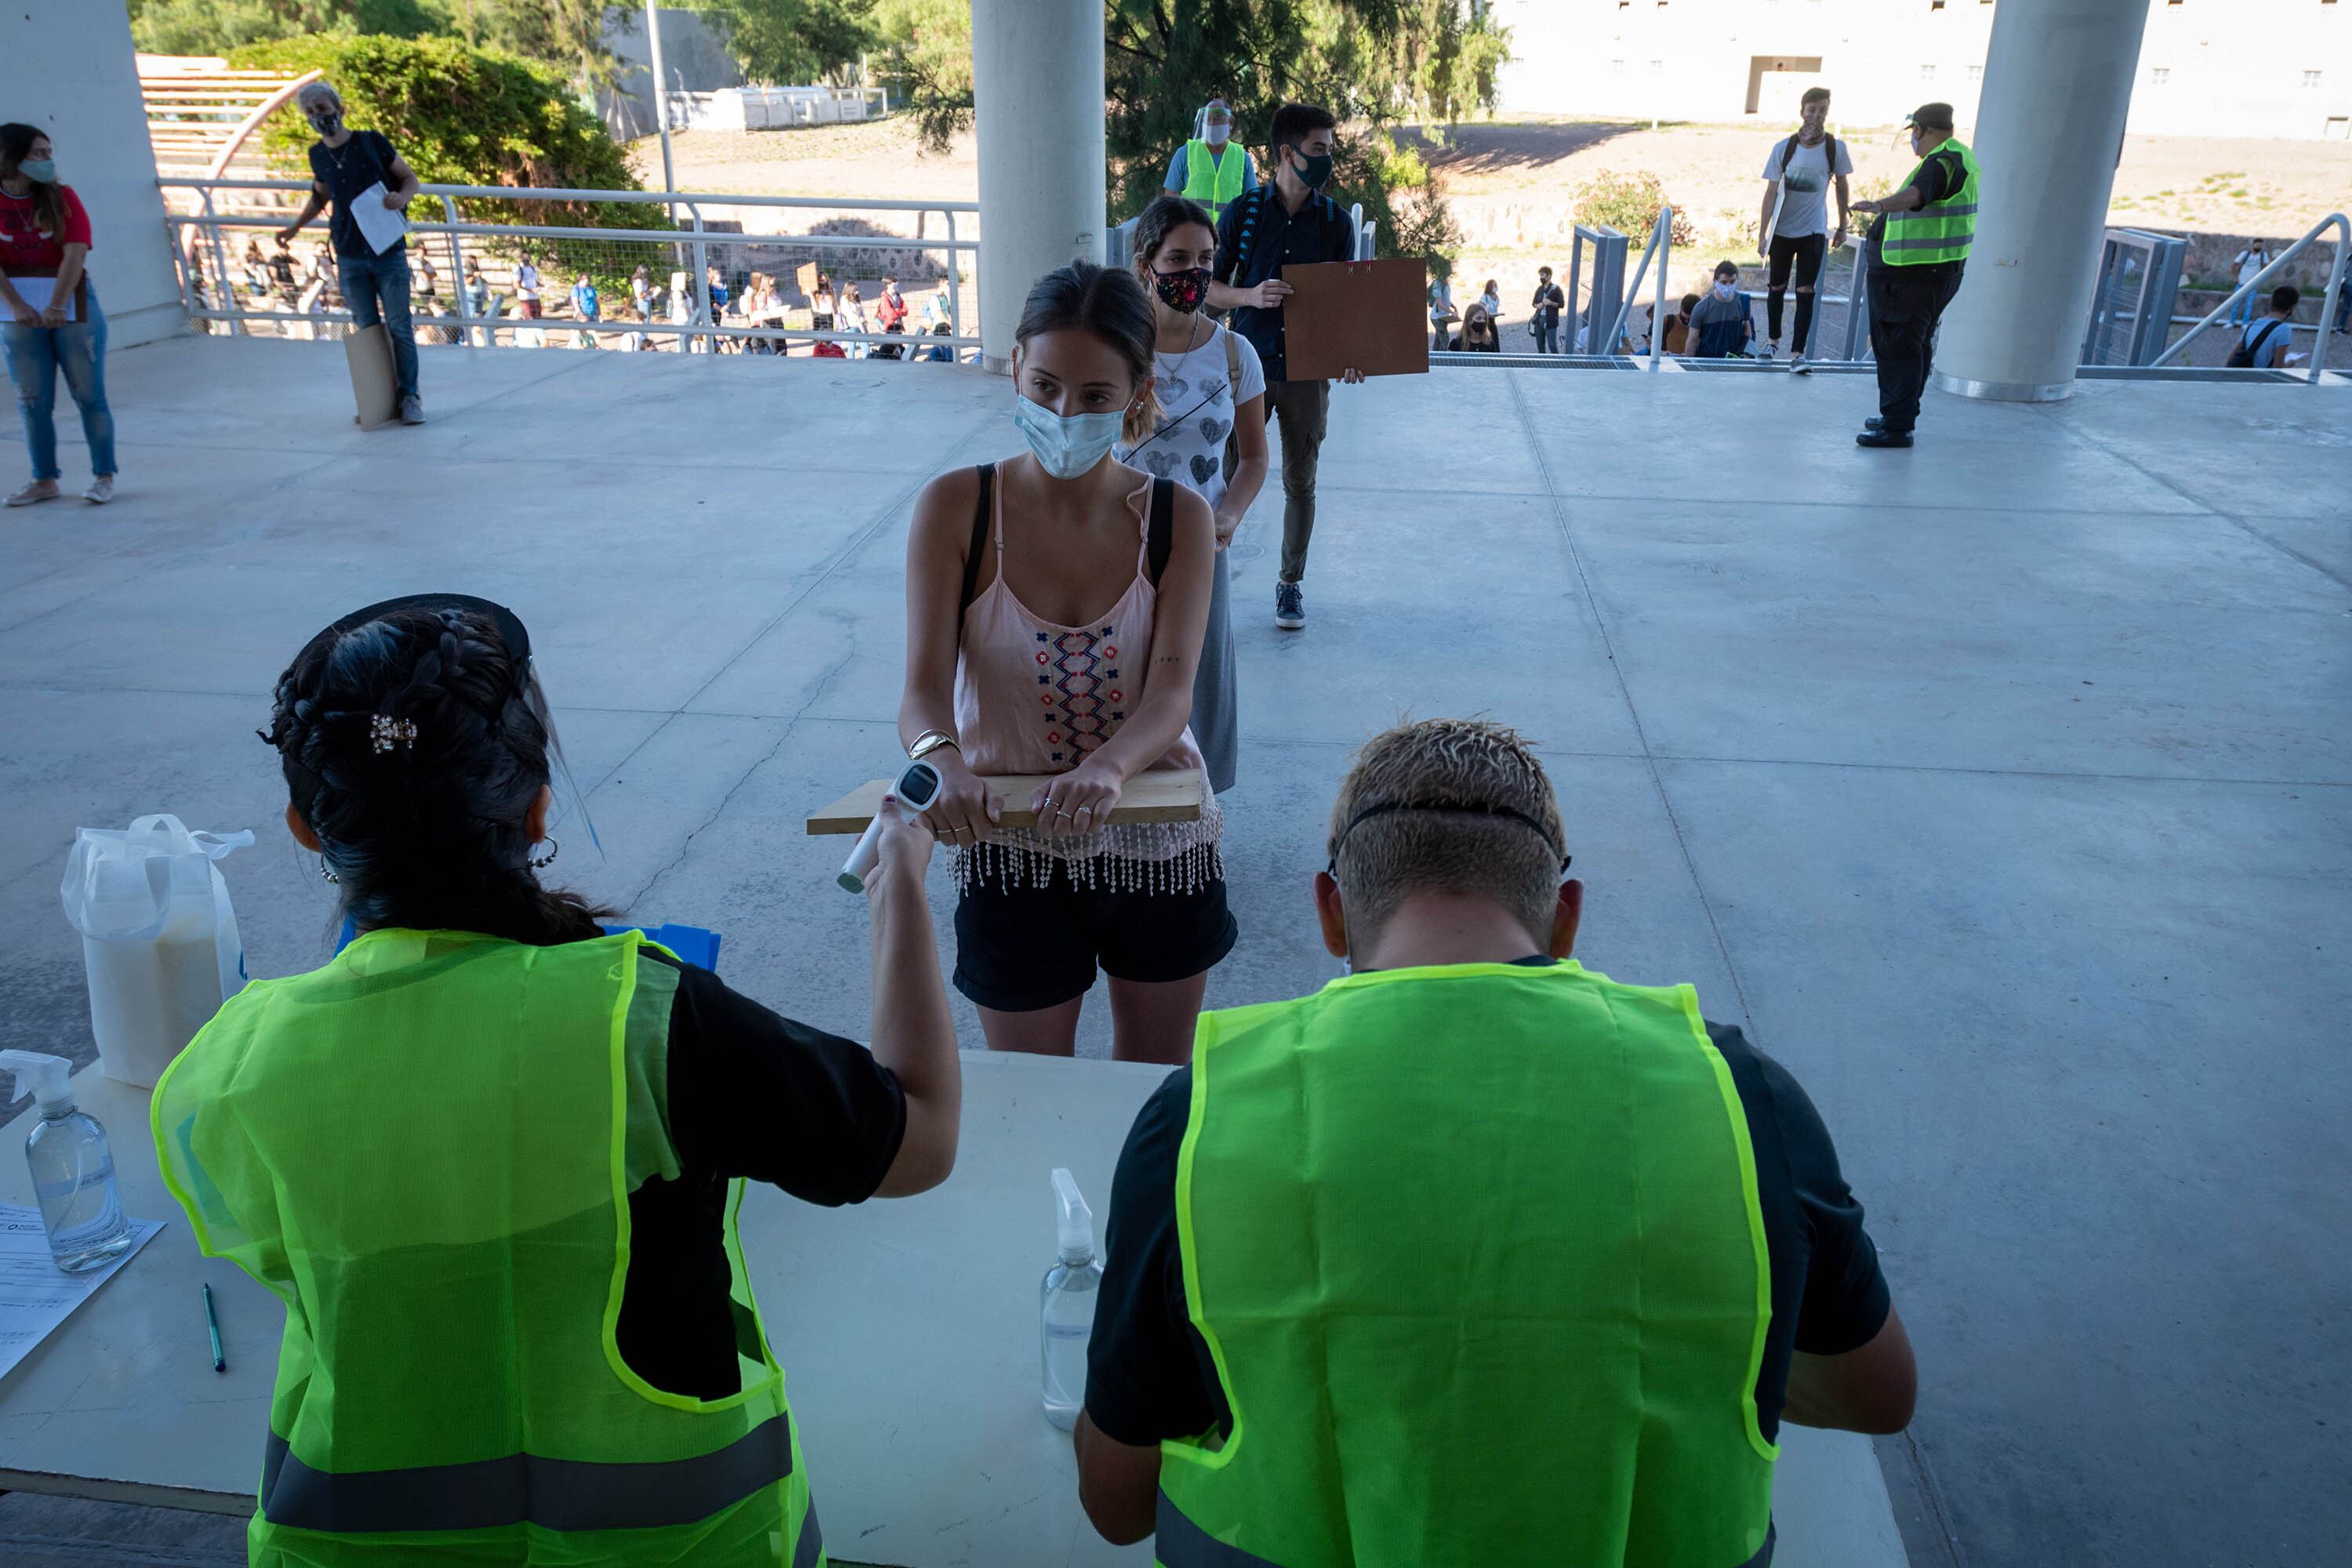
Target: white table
[908, 1332]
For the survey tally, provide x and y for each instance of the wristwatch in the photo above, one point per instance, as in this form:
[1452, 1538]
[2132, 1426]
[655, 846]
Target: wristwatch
[930, 740]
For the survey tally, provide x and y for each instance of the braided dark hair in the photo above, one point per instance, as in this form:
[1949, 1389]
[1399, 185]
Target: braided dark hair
[425, 829]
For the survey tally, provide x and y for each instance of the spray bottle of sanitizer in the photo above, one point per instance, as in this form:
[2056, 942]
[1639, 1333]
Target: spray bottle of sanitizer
[73, 1169]
[1068, 1300]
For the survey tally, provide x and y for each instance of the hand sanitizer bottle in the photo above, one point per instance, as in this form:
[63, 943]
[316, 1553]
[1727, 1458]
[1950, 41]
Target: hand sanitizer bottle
[1067, 1299]
[73, 1169]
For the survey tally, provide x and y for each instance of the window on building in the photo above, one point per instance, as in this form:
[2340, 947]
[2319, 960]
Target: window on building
[2311, 78]
[1618, 65]
[1976, 73]
[1935, 4]
[1928, 73]
[1657, 66]
[2159, 75]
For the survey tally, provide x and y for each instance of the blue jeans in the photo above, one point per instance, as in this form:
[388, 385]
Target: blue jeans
[34, 356]
[2243, 314]
[376, 289]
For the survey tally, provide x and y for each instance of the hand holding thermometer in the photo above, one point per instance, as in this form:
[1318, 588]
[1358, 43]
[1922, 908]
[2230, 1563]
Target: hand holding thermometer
[916, 789]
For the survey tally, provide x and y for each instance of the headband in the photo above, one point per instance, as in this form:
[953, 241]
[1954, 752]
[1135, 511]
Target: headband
[1472, 807]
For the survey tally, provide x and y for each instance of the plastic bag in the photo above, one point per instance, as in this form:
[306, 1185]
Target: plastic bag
[158, 938]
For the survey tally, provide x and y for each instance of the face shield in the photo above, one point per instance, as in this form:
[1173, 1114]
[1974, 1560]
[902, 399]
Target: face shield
[571, 803]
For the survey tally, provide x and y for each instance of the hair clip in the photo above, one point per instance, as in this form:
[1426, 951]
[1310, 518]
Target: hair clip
[385, 733]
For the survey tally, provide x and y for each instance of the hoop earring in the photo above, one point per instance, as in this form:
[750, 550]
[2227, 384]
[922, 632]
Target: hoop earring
[327, 872]
[543, 861]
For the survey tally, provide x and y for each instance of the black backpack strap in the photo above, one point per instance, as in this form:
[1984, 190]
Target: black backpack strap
[981, 513]
[1160, 532]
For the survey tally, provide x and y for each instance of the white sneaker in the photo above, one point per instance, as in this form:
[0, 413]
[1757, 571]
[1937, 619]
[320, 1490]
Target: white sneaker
[1770, 350]
[100, 491]
[38, 491]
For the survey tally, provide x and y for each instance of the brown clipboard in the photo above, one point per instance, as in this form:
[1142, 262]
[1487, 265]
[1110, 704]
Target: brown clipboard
[375, 384]
[1370, 316]
[805, 275]
[1155, 795]
[81, 289]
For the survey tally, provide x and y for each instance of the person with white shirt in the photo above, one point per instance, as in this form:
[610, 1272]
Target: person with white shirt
[527, 287]
[1210, 436]
[1798, 174]
[2250, 263]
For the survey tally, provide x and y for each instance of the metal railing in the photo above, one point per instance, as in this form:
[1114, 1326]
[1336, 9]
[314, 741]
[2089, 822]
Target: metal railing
[2343, 227]
[687, 249]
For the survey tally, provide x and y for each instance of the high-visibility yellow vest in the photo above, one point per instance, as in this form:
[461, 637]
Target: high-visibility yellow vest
[1477, 1253]
[1940, 231]
[425, 1150]
[1211, 180]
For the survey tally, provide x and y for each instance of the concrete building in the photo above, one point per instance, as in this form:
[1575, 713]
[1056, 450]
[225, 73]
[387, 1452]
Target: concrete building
[694, 56]
[2211, 67]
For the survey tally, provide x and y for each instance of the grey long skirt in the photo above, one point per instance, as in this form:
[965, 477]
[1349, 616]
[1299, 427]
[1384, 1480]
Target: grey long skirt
[1216, 719]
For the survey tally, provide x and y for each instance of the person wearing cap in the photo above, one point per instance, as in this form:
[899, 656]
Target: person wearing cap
[490, 1155]
[1475, 1254]
[1919, 245]
[1210, 169]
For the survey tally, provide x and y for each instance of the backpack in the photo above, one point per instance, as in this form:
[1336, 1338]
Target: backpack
[2248, 354]
[1789, 150]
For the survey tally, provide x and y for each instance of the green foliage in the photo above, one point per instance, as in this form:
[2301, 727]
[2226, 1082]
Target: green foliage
[461, 116]
[783, 41]
[1629, 203]
[216, 27]
[927, 61]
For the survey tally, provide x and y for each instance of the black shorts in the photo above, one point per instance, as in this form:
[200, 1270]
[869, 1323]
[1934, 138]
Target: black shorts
[1024, 949]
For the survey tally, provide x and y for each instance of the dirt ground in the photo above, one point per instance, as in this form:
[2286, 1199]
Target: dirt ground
[1512, 185]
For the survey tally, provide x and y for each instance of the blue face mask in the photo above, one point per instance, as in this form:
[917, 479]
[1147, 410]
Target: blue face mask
[1066, 444]
[40, 170]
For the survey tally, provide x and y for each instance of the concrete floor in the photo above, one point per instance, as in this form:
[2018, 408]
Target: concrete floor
[1998, 786]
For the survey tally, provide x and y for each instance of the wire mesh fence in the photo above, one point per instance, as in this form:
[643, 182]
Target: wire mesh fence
[640, 272]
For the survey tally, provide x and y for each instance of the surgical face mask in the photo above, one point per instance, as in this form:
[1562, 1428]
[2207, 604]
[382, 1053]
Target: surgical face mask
[1184, 291]
[1315, 173]
[41, 170]
[1726, 290]
[327, 122]
[1217, 133]
[1067, 446]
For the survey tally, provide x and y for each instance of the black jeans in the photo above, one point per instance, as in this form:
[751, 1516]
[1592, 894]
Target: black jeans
[1806, 250]
[1906, 303]
[1546, 336]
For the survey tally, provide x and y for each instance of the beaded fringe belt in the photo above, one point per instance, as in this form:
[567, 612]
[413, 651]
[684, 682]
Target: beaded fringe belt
[1127, 856]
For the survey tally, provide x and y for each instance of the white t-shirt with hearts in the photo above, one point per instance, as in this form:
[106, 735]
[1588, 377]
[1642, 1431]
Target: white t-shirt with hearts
[1196, 415]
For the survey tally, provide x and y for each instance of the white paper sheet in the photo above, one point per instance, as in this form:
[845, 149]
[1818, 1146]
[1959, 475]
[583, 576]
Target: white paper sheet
[38, 292]
[382, 226]
[35, 1296]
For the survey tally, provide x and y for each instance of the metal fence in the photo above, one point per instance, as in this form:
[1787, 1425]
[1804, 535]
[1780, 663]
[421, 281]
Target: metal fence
[707, 283]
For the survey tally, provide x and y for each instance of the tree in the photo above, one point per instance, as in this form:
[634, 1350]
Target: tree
[216, 27]
[792, 40]
[927, 61]
[461, 116]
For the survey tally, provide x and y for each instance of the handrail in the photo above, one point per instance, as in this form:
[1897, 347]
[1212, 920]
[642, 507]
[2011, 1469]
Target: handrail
[2343, 227]
[567, 194]
[655, 236]
[1662, 240]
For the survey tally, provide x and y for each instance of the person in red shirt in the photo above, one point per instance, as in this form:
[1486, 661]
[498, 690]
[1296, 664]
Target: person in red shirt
[51, 317]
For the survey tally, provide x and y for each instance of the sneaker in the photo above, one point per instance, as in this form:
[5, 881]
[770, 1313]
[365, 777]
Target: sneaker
[412, 410]
[38, 491]
[1289, 606]
[100, 491]
[1766, 351]
[1798, 366]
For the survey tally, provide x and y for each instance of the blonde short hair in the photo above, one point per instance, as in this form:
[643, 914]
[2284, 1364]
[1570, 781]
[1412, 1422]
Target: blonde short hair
[1454, 806]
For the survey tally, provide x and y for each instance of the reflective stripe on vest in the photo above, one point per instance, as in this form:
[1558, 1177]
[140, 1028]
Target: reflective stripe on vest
[1178, 1542]
[1214, 181]
[426, 1149]
[1941, 231]
[1386, 1342]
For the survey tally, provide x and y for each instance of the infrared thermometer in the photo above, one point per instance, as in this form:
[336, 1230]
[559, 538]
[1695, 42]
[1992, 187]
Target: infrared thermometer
[916, 789]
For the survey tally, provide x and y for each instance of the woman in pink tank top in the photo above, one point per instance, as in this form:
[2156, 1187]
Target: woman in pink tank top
[1055, 605]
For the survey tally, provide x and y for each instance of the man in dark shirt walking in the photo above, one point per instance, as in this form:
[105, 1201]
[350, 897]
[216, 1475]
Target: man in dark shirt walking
[348, 166]
[1287, 219]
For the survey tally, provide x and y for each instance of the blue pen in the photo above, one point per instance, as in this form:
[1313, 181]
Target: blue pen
[212, 1322]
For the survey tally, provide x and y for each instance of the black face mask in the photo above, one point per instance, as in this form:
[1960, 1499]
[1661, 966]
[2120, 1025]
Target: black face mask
[326, 124]
[1315, 173]
[1183, 291]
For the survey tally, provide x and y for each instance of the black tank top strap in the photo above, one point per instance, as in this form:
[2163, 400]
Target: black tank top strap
[1160, 532]
[986, 473]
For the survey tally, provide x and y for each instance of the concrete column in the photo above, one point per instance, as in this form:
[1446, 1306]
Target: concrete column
[2050, 128]
[70, 71]
[1037, 100]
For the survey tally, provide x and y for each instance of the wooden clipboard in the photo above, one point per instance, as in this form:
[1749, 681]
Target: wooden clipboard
[1371, 316]
[375, 386]
[1171, 796]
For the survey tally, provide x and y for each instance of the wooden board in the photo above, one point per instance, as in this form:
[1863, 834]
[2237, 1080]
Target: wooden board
[1371, 315]
[375, 386]
[1157, 797]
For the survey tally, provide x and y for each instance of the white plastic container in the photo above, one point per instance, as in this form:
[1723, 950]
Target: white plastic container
[159, 937]
[1066, 1303]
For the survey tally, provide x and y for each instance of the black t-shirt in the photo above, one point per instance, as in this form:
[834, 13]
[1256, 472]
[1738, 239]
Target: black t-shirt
[1938, 177]
[754, 1095]
[1148, 1373]
[1548, 303]
[1256, 236]
[363, 160]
